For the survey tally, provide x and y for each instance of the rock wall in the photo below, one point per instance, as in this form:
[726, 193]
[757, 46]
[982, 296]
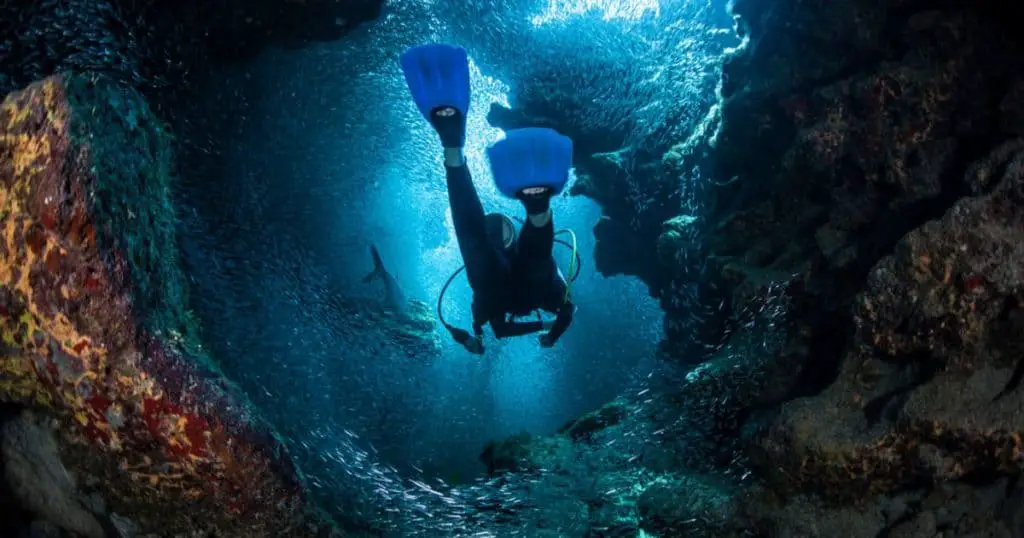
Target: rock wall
[865, 162]
[870, 152]
[156, 45]
[97, 336]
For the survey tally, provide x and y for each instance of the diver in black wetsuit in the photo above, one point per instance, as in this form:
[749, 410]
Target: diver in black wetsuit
[509, 277]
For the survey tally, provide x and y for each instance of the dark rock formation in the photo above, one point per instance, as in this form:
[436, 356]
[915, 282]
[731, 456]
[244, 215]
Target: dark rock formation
[870, 153]
[927, 390]
[866, 159]
[869, 143]
[525, 453]
[585, 426]
[37, 478]
[96, 331]
[687, 505]
[156, 44]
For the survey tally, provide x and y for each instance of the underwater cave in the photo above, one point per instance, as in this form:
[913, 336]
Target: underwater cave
[788, 241]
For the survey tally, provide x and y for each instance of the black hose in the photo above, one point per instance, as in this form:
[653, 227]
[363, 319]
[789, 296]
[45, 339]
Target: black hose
[440, 296]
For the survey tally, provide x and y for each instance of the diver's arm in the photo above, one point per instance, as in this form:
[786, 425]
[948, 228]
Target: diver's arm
[562, 323]
[504, 328]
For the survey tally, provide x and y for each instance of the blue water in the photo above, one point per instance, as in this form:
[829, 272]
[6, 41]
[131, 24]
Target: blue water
[327, 155]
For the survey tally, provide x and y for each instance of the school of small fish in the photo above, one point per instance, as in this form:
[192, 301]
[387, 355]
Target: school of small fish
[344, 470]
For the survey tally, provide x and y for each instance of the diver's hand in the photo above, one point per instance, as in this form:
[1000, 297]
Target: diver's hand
[450, 125]
[474, 345]
[546, 340]
[536, 200]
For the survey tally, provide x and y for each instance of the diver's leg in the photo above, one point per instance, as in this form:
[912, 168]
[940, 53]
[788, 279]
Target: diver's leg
[537, 237]
[483, 262]
[537, 240]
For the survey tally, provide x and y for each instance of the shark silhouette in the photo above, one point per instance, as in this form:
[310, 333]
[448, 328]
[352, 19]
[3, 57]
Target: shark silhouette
[394, 299]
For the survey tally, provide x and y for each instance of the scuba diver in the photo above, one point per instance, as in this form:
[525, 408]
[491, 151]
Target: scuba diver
[510, 276]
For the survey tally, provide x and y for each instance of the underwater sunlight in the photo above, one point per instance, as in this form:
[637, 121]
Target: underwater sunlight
[564, 10]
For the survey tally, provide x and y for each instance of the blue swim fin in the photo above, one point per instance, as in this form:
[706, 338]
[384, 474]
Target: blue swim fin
[530, 157]
[437, 75]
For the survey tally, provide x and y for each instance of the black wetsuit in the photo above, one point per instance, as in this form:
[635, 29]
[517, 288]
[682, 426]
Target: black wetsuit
[506, 285]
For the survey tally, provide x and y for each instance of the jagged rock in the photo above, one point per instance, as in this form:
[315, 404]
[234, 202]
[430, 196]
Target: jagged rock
[806, 516]
[855, 157]
[678, 239]
[686, 506]
[92, 309]
[43, 529]
[619, 250]
[1011, 513]
[753, 369]
[125, 527]
[94, 503]
[628, 231]
[37, 477]
[788, 46]
[614, 520]
[959, 510]
[953, 281]
[929, 390]
[844, 127]
[585, 426]
[681, 158]
[838, 167]
[525, 452]
[624, 183]
[563, 517]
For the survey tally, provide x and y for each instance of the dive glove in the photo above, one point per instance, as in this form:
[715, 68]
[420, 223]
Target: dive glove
[450, 125]
[473, 344]
[537, 200]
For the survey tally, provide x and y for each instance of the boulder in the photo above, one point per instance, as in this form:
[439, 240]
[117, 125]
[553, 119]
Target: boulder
[928, 391]
[95, 327]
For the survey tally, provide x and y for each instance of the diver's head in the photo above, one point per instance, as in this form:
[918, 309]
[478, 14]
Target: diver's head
[500, 231]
